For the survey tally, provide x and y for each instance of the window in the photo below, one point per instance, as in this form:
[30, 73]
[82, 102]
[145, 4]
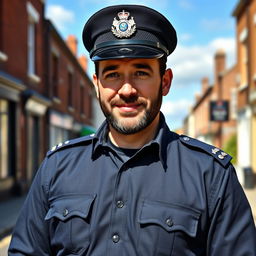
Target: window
[33, 19]
[243, 37]
[4, 139]
[31, 48]
[70, 89]
[82, 99]
[55, 75]
[244, 64]
[3, 56]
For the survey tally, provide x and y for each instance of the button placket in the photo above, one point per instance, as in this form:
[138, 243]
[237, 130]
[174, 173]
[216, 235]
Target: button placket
[115, 238]
[119, 204]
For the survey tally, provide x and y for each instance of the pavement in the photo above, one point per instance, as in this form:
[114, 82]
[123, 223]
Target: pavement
[9, 212]
[251, 196]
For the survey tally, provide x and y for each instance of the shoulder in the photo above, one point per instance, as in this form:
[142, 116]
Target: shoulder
[70, 144]
[196, 145]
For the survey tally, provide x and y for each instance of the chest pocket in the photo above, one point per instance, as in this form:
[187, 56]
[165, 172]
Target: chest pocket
[69, 219]
[161, 222]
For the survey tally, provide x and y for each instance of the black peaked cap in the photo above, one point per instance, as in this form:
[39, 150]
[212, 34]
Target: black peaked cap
[128, 31]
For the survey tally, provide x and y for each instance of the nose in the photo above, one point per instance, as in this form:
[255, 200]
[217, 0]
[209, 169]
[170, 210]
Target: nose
[127, 90]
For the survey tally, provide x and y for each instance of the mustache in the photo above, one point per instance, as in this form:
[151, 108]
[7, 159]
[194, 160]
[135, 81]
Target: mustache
[128, 100]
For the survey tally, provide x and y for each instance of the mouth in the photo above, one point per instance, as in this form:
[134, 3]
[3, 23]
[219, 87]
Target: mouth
[131, 107]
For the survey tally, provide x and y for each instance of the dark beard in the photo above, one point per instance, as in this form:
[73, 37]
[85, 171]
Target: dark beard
[145, 121]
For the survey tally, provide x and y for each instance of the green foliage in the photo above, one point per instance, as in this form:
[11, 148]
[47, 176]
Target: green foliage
[231, 148]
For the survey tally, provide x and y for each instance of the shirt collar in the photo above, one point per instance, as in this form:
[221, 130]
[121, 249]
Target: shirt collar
[161, 141]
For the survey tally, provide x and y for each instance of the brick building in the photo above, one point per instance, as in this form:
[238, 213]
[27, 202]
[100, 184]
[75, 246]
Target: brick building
[245, 15]
[69, 87]
[198, 123]
[238, 86]
[45, 93]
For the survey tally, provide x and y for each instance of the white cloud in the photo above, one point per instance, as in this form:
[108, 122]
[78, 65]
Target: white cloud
[176, 108]
[60, 16]
[217, 24]
[163, 3]
[186, 5]
[191, 63]
[185, 37]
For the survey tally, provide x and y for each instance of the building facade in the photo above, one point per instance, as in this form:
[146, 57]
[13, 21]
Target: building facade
[69, 87]
[245, 16]
[237, 86]
[45, 93]
[199, 122]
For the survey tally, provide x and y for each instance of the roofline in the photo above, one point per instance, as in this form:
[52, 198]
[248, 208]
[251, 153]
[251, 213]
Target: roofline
[240, 5]
[207, 92]
[68, 51]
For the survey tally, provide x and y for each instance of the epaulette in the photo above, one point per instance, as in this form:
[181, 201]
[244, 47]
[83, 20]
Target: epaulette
[69, 143]
[222, 157]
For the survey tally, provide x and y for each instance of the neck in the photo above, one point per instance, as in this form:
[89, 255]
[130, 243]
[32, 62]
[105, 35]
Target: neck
[136, 140]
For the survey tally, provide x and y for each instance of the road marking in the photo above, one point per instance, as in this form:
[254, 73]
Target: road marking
[5, 241]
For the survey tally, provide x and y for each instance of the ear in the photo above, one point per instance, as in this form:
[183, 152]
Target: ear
[166, 81]
[95, 83]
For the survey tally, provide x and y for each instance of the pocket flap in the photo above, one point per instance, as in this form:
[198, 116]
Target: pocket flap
[171, 217]
[68, 206]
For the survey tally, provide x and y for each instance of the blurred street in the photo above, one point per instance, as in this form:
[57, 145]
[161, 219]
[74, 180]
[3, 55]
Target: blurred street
[251, 195]
[47, 96]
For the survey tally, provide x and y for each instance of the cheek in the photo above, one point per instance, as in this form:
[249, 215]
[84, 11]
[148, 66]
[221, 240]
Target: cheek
[106, 94]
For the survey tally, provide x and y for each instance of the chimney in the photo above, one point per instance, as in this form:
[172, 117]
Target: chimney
[72, 44]
[205, 84]
[220, 63]
[197, 97]
[83, 62]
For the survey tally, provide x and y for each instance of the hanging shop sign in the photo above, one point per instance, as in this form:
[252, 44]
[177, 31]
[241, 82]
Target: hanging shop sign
[219, 110]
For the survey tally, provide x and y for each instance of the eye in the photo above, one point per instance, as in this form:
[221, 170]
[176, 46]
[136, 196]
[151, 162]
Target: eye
[112, 75]
[141, 73]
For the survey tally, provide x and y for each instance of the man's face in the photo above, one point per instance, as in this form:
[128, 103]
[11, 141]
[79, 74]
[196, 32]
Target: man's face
[130, 93]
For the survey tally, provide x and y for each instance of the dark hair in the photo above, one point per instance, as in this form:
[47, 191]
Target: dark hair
[162, 66]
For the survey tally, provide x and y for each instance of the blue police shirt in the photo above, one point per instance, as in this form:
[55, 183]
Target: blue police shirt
[174, 196]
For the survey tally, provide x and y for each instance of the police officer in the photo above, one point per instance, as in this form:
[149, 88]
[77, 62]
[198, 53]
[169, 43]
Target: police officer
[135, 187]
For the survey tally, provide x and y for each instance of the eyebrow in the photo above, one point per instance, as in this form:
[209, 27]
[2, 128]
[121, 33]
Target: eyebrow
[136, 65]
[143, 66]
[109, 68]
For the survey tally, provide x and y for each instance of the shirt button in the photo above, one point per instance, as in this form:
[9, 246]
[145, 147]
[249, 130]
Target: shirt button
[186, 138]
[115, 238]
[169, 222]
[65, 212]
[120, 204]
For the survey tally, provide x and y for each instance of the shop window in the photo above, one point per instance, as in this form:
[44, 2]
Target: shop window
[58, 135]
[4, 139]
[33, 145]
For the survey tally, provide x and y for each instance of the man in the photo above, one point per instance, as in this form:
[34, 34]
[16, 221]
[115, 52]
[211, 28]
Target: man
[135, 187]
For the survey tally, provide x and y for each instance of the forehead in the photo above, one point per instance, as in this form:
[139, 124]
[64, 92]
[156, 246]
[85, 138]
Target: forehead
[128, 62]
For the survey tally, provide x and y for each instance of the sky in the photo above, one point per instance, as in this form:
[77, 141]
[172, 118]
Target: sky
[202, 26]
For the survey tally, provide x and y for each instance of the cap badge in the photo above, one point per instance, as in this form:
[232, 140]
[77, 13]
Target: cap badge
[123, 27]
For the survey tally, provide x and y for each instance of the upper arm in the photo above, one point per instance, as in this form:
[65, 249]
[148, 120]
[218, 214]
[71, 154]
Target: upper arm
[30, 235]
[232, 230]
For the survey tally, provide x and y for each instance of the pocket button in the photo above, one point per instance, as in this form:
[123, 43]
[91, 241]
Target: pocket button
[169, 222]
[65, 212]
